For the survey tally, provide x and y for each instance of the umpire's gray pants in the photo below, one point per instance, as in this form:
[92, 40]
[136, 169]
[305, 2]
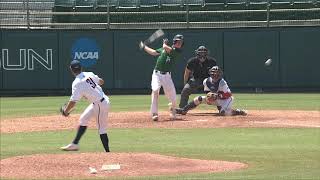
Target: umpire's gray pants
[191, 87]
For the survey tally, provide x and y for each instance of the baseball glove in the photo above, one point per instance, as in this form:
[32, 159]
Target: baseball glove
[211, 97]
[63, 113]
[141, 45]
[165, 41]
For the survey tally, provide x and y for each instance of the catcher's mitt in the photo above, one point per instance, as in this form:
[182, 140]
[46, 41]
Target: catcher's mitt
[211, 97]
[63, 113]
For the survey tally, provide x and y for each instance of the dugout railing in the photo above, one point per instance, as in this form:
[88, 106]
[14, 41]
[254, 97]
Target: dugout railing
[151, 14]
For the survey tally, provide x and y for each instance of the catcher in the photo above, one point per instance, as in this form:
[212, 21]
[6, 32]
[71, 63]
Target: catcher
[218, 94]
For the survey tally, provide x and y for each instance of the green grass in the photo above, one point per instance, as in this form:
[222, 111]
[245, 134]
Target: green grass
[39, 106]
[270, 153]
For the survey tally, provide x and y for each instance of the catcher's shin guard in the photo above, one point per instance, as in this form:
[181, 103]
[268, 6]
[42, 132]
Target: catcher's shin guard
[190, 106]
[185, 109]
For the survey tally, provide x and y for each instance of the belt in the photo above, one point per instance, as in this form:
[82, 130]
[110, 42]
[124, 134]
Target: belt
[161, 72]
[101, 100]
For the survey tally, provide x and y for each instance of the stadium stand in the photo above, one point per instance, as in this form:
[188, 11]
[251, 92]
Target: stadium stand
[171, 13]
[14, 13]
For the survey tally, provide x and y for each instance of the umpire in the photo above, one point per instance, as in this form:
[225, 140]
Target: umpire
[196, 71]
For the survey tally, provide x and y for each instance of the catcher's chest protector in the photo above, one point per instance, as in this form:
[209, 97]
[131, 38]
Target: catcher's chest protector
[213, 86]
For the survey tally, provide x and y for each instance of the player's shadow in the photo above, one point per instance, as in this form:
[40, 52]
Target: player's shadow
[176, 119]
[204, 114]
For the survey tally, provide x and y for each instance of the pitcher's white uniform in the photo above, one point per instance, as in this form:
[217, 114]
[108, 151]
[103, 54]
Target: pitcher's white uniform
[86, 85]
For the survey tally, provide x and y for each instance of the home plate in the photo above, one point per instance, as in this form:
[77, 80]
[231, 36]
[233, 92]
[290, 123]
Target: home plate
[110, 167]
[202, 120]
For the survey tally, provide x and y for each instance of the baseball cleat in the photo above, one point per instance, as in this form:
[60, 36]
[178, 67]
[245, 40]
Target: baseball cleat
[70, 147]
[155, 117]
[181, 111]
[240, 112]
[243, 112]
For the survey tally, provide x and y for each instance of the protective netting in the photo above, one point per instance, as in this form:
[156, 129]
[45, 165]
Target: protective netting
[150, 14]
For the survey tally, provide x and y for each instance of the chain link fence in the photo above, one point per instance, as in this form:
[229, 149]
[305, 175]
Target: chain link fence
[152, 14]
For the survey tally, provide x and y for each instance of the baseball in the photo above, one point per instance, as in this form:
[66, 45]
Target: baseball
[268, 62]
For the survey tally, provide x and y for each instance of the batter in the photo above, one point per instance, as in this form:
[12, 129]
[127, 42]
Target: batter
[161, 76]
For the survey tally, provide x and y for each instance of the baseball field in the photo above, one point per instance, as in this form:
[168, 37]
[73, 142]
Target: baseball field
[278, 139]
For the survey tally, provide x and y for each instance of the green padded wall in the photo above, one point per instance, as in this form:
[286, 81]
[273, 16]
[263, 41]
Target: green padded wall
[104, 65]
[300, 57]
[133, 68]
[244, 55]
[26, 51]
[240, 52]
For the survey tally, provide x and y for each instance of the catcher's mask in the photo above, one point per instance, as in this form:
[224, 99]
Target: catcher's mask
[177, 38]
[202, 53]
[215, 73]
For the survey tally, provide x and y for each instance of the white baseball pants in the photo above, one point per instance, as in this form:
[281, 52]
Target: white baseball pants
[162, 80]
[99, 111]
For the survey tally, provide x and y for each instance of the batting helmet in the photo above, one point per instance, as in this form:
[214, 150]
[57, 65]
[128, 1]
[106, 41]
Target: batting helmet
[178, 37]
[202, 53]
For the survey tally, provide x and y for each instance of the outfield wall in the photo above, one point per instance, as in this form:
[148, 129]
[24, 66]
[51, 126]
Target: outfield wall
[38, 60]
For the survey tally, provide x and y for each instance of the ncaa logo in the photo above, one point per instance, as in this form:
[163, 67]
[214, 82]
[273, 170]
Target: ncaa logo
[86, 51]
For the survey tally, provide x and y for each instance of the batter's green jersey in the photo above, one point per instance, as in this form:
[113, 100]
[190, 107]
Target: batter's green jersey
[165, 61]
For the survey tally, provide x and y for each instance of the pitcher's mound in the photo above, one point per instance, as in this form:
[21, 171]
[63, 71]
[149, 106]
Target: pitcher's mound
[76, 165]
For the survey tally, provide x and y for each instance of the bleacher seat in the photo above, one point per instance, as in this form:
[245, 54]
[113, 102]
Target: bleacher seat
[64, 3]
[195, 2]
[282, 1]
[171, 2]
[237, 4]
[63, 6]
[128, 3]
[213, 2]
[305, 1]
[149, 3]
[236, 1]
[104, 3]
[259, 1]
[85, 3]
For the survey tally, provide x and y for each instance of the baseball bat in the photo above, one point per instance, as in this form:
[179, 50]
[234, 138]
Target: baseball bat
[156, 35]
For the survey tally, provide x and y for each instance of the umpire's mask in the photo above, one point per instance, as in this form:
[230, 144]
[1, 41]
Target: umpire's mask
[202, 53]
